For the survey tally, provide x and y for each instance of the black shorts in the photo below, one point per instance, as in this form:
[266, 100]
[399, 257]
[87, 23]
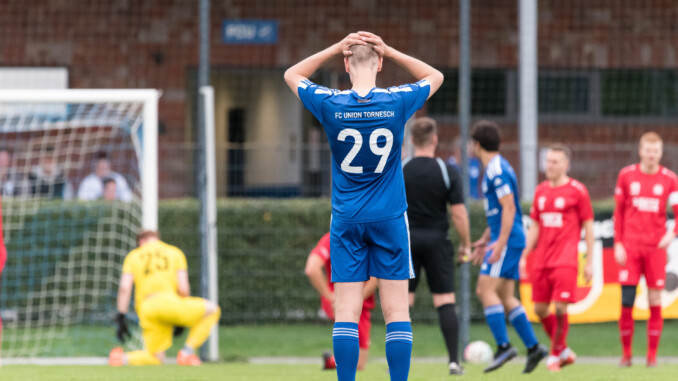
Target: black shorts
[433, 250]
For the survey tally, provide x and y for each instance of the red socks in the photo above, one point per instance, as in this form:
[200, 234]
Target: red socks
[549, 325]
[560, 335]
[654, 331]
[626, 324]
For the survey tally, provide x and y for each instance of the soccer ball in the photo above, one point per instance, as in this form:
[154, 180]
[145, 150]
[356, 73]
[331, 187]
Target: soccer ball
[478, 352]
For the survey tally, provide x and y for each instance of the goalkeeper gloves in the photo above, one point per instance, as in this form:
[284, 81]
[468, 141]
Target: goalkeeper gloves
[122, 332]
[178, 331]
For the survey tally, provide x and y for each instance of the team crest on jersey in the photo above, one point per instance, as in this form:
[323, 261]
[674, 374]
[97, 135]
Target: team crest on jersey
[559, 203]
[541, 201]
[635, 188]
[658, 190]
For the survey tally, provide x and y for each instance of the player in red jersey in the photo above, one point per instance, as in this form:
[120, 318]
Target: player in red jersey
[318, 270]
[561, 208]
[641, 238]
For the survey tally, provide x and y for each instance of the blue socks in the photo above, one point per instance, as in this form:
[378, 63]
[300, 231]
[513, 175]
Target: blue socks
[398, 349]
[519, 321]
[346, 349]
[494, 315]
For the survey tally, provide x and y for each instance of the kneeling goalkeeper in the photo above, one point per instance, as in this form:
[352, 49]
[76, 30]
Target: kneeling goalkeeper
[158, 271]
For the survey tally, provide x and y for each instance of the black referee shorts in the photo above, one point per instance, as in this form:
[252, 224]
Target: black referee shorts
[432, 250]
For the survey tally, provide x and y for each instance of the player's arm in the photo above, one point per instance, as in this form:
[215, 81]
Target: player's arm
[508, 214]
[124, 296]
[673, 203]
[419, 69]
[618, 216]
[479, 247]
[370, 287]
[459, 216]
[315, 271]
[589, 238]
[183, 286]
[530, 244]
[304, 69]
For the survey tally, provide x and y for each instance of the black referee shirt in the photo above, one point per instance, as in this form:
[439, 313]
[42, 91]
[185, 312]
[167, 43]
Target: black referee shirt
[427, 195]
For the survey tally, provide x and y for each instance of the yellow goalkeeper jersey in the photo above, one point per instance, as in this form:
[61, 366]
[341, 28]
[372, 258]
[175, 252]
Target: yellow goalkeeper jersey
[154, 267]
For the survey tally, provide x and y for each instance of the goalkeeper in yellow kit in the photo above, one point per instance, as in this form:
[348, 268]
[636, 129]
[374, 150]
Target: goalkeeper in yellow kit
[158, 272]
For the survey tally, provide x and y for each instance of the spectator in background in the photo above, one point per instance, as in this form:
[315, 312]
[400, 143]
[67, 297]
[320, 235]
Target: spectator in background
[109, 189]
[92, 186]
[10, 184]
[474, 167]
[47, 180]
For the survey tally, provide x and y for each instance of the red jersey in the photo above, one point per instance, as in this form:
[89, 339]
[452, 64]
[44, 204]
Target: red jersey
[560, 212]
[322, 250]
[640, 205]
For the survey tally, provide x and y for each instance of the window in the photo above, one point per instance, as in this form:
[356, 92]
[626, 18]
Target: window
[488, 93]
[639, 93]
[563, 93]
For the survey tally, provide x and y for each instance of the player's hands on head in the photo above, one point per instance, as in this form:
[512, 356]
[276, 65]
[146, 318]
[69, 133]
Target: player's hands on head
[348, 41]
[620, 253]
[122, 332]
[379, 46]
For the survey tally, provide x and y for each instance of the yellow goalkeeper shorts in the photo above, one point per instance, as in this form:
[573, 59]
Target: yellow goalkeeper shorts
[162, 312]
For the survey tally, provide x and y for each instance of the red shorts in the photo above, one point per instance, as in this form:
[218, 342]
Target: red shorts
[554, 284]
[648, 261]
[364, 325]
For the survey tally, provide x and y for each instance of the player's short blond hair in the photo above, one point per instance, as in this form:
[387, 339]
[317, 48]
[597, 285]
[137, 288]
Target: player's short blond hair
[423, 130]
[558, 147]
[363, 54]
[650, 137]
[145, 234]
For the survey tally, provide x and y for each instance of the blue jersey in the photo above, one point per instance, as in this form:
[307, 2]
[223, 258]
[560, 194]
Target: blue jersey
[499, 181]
[365, 135]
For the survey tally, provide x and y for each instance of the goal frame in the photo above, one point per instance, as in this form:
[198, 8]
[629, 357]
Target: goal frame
[149, 161]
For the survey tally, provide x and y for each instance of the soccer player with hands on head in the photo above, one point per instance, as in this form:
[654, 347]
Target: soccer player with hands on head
[499, 251]
[560, 209]
[369, 233]
[159, 275]
[641, 238]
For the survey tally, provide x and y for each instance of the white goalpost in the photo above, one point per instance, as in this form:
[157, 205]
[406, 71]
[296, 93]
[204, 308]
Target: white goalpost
[59, 285]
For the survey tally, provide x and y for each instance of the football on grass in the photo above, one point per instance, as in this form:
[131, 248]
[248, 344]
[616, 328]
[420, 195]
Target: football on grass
[478, 352]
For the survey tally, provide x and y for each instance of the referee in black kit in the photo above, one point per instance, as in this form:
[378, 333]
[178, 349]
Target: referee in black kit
[431, 185]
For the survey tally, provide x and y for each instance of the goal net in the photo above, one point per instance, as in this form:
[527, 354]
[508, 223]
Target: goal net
[78, 172]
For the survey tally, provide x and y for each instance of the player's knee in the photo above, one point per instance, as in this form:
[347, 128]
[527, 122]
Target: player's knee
[211, 307]
[654, 297]
[628, 296]
[541, 310]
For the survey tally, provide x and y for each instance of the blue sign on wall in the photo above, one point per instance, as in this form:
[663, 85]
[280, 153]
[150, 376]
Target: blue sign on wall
[249, 32]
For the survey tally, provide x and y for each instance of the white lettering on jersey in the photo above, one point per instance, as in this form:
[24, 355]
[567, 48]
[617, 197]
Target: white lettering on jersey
[551, 220]
[634, 189]
[658, 190]
[365, 114]
[646, 204]
[673, 199]
[541, 201]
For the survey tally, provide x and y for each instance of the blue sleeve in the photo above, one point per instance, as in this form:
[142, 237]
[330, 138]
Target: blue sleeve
[312, 96]
[414, 95]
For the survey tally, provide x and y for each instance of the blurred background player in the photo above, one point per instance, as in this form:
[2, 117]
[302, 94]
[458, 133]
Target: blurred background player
[499, 250]
[474, 167]
[319, 271]
[561, 207]
[159, 275]
[369, 230]
[430, 186]
[641, 239]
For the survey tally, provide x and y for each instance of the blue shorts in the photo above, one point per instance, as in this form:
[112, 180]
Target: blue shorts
[506, 267]
[380, 249]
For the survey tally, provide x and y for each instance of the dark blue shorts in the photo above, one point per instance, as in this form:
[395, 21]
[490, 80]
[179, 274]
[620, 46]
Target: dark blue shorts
[380, 249]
